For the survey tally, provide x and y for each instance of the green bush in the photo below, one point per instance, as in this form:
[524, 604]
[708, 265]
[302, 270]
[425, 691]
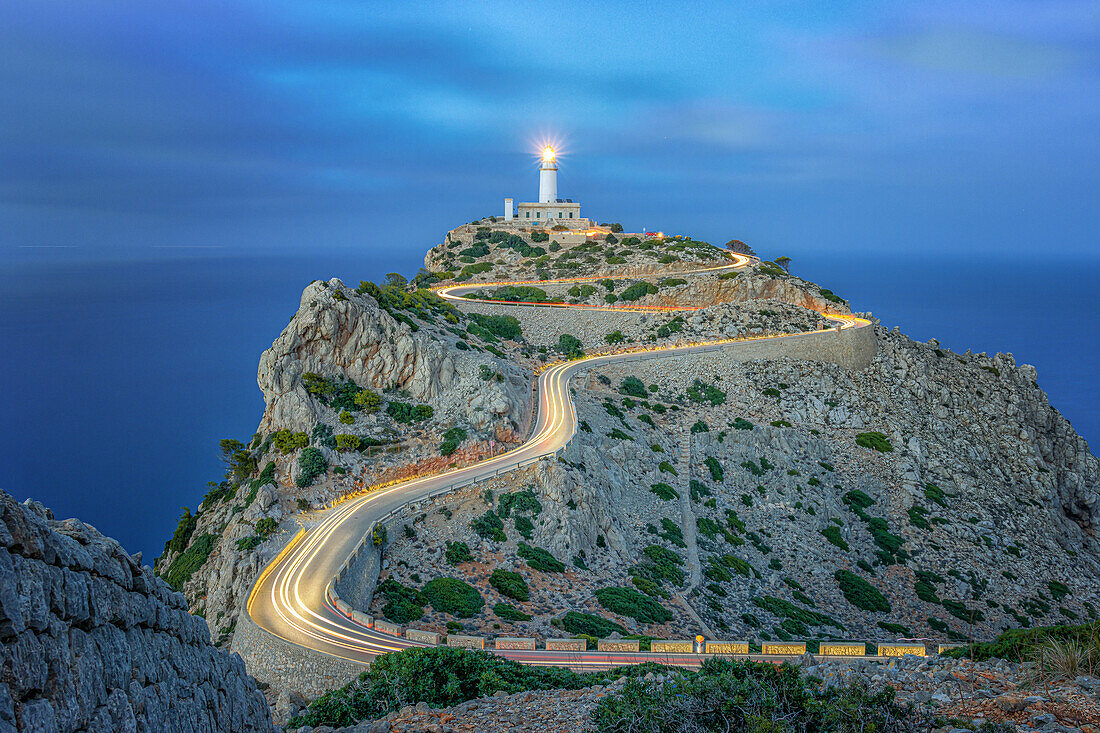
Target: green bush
[451, 440]
[453, 596]
[525, 527]
[248, 544]
[874, 441]
[458, 552]
[860, 593]
[637, 290]
[666, 467]
[634, 387]
[832, 533]
[735, 695]
[311, 464]
[700, 391]
[715, 468]
[345, 443]
[193, 558]
[368, 401]
[184, 529]
[346, 418]
[743, 424]
[489, 526]
[403, 412]
[403, 604]
[539, 559]
[629, 602]
[700, 427]
[522, 502]
[570, 346]
[508, 612]
[1017, 644]
[585, 623]
[287, 442]
[664, 491]
[509, 584]
[505, 327]
[615, 337]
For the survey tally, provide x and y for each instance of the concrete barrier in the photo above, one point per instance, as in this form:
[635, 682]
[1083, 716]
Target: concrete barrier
[386, 627]
[465, 642]
[900, 650]
[842, 649]
[726, 647]
[424, 637]
[505, 642]
[566, 645]
[362, 618]
[672, 646]
[783, 648]
[618, 645]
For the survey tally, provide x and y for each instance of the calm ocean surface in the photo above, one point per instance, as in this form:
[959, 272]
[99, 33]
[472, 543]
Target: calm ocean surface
[117, 380]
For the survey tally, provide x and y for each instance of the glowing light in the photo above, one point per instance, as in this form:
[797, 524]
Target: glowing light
[548, 153]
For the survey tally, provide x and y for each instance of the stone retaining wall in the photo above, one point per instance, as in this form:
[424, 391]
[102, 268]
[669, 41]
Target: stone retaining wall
[842, 649]
[287, 666]
[900, 650]
[672, 646]
[465, 642]
[566, 645]
[514, 643]
[618, 645]
[726, 647]
[357, 583]
[423, 637]
[785, 648]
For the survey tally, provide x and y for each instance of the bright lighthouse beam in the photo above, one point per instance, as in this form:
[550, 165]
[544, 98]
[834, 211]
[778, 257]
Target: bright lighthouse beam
[548, 153]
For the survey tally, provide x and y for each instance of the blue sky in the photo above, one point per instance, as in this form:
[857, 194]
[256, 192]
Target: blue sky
[153, 129]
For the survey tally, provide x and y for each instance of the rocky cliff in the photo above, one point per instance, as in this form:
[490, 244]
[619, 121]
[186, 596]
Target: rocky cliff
[92, 641]
[427, 370]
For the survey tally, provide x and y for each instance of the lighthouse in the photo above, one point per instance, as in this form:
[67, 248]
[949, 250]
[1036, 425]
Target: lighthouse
[549, 210]
[548, 177]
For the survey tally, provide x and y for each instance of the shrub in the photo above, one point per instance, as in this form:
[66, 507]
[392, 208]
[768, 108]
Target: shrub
[346, 418]
[637, 290]
[193, 558]
[874, 441]
[1017, 645]
[311, 464]
[505, 327]
[629, 602]
[523, 502]
[700, 427]
[525, 527]
[570, 346]
[403, 604]
[508, 612]
[458, 552]
[832, 533]
[453, 596]
[860, 593]
[347, 442]
[615, 337]
[509, 584]
[737, 695]
[585, 623]
[715, 468]
[451, 440]
[743, 424]
[700, 391]
[539, 559]
[403, 412]
[247, 544]
[935, 494]
[664, 491]
[490, 527]
[634, 387]
[184, 529]
[666, 467]
[287, 442]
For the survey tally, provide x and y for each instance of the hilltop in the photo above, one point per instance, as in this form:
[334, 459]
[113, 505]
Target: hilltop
[888, 489]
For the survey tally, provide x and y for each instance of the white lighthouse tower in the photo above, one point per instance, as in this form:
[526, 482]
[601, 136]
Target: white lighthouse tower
[548, 177]
[549, 211]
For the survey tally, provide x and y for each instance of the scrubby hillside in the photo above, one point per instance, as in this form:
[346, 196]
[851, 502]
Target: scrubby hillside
[932, 494]
[92, 641]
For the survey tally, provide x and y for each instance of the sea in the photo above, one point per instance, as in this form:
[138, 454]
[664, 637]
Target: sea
[117, 379]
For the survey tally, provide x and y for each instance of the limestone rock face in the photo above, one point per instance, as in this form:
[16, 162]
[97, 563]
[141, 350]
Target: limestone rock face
[339, 333]
[93, 641]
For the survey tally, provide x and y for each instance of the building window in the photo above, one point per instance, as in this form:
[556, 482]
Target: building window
[527, 215]
[559, 214]
[570, 214]
[538, 214]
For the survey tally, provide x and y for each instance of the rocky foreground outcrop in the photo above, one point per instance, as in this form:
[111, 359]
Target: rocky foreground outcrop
[93, 641]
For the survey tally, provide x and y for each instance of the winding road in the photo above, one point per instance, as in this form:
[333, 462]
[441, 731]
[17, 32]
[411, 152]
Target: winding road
[291, 598]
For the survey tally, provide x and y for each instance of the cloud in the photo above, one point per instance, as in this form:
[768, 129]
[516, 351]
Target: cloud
[977, 53]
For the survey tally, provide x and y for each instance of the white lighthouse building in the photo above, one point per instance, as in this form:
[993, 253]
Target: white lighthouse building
[549, 210]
